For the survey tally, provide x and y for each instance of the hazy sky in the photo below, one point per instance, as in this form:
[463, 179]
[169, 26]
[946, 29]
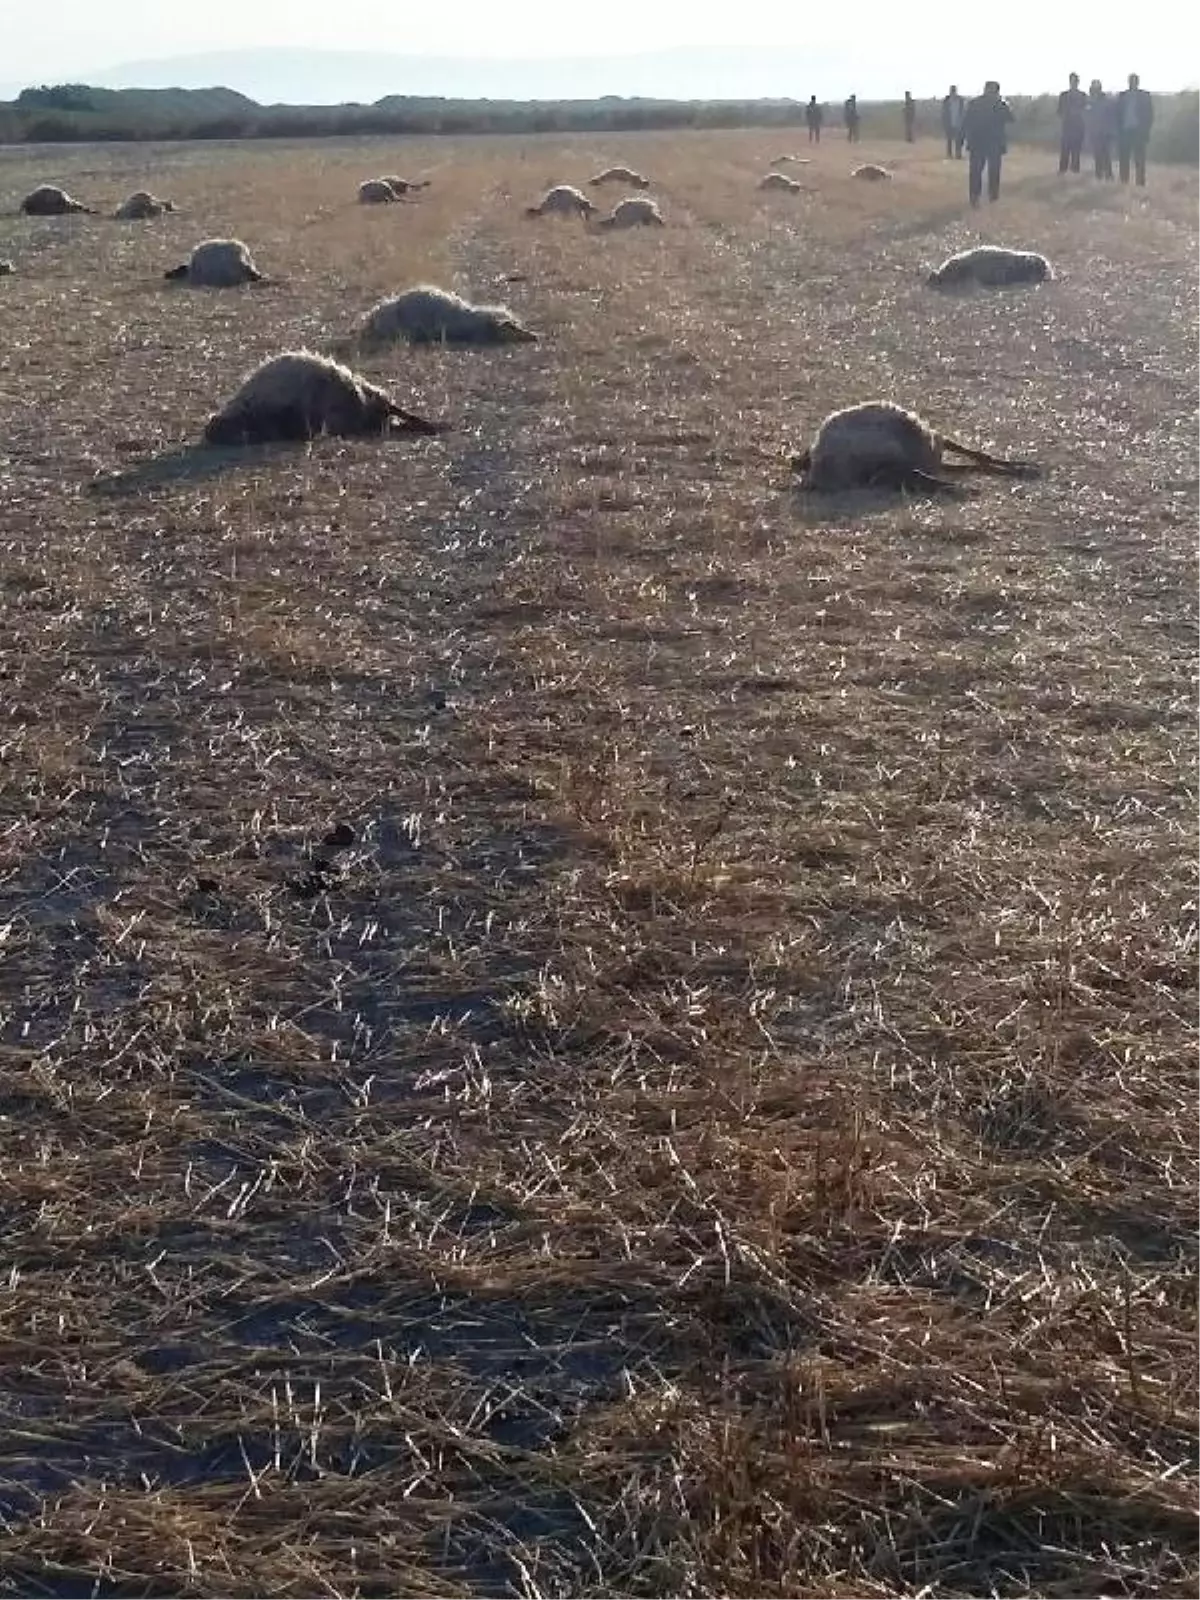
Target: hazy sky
[1036, 41]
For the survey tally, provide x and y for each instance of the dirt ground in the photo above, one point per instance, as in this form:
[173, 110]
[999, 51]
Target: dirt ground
[575, 1020]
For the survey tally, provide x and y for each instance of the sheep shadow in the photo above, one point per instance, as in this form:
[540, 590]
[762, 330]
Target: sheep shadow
[969, 288]
[189, 463]
[850, 508]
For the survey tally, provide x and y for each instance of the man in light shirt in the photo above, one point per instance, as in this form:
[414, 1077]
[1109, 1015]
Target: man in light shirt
[954, 110]
[1135, 118]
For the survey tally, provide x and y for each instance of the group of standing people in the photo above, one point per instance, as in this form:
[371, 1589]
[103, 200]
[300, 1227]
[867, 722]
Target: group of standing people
[1095, 119]
[1100, 120]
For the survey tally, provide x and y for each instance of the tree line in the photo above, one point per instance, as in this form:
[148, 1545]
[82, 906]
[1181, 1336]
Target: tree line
[73, 113]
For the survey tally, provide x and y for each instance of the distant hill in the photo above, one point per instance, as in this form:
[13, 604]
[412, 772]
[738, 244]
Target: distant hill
[336, 77]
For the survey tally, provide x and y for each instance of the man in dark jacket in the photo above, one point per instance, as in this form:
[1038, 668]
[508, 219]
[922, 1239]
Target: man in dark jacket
[954, 109]
[910, 116]
[987, 120]
[814, 115]
[1072, 109]
[1135, 118]
[852, 119]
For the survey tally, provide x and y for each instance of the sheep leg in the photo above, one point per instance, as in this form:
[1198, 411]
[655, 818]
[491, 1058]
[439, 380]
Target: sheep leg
[403, 421]
[914, 479]
[983, 461]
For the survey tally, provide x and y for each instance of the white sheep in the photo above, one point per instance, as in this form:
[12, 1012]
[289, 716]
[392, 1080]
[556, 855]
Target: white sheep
[48, 200]
[218, 264]
[880, 445]
[298, 395]
[564, 200]
[625, 175]
[429, 315]
[993, 267]
[141, 205]
[636, 213]
[780, 180]
[870, 173]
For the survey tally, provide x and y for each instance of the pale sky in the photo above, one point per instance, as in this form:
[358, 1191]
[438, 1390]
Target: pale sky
[1029, 44]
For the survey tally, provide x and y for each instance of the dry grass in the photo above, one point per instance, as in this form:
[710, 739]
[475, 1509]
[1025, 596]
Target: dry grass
[726, 1122]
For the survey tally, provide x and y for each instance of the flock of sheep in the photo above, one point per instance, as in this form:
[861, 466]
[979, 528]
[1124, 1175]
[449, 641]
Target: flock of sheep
[299, 394]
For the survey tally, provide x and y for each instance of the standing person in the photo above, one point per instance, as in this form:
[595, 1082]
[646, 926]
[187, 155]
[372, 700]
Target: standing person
[1099, 120]
[1072, 108]
[986, 124]
[852, 119]
[910, 117]
[954, 109]
[1135, 118]
[814, 115]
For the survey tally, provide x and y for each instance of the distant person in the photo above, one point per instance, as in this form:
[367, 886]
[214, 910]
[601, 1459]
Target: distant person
[954, 109]
[1100, 122]
[910, 117]
[851, 118]
[1072, 112]
[1135, 118]
[986, 124]
[814, 115]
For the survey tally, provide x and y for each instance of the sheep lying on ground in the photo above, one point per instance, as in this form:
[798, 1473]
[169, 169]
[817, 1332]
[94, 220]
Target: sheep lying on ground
[880, 445]
[563, 201]
[429, 315]
[376, 192]
[218, 264]
[870, 173]
[993, 267]
[141, 205]
[780, 180]
[298, 395]
[798, 161]
[624, 175]
[6, 269]
[50, 201]
[637, 213]
[404, 185]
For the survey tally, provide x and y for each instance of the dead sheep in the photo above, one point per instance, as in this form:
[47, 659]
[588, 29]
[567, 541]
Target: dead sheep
[429, 315]
[299, 395]
[50, 201]
[376, 192]
[564, 200]
[993, 267]
[625, 175]
[780, 180]
[405, 185]
[870, 173]
[883, 446]
[140, 206]
[798, 161]
[218, 264]
[638, 213]
[6, 269]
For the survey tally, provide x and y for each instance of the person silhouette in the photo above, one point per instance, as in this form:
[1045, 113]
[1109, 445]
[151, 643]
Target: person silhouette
[987, 120]
[1072, 110]
[1135, 118]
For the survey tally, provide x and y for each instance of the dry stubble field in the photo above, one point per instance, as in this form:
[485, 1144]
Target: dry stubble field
[727, 1123]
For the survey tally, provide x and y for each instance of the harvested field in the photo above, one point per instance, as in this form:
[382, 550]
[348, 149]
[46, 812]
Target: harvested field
[575, 1021]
